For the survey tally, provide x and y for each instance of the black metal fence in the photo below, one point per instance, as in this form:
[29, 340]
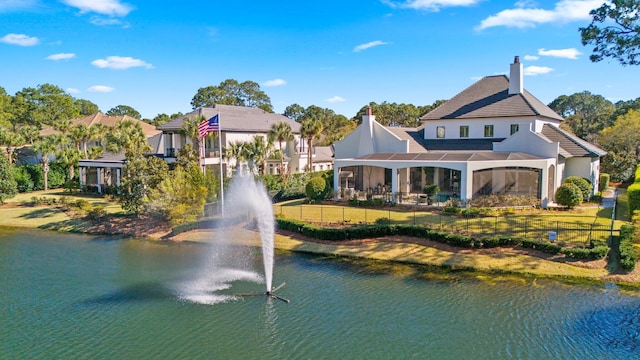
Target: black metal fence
[577, 231]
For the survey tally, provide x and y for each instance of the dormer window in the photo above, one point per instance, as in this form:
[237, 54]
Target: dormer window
[440, 132]
[488, 131]
[514, 128]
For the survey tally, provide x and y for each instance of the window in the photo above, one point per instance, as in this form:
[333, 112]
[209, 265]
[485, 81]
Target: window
[488, 131]
[440, 132]
[464, 131]
[514, 128]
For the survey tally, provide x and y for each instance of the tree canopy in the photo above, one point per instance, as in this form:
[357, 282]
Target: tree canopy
[585, 114]
[393, 114]
[124, 110]
[231, 92]
[622, 144]
[614, 32]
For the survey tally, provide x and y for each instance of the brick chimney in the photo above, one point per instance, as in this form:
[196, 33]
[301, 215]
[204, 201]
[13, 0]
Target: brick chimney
[515, 77]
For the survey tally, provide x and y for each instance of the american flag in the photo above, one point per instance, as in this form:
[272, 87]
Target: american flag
[208, 126]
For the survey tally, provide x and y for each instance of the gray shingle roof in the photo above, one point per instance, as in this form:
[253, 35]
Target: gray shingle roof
[489, 98]
[418, 144]
[235, 119]
[571, 145]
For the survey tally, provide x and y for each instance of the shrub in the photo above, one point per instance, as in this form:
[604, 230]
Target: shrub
[628, 254]
[23, 179]
[431, 190]
[583, 184]
[633, 194]
[96, 212]
[569, 195]
[315, 189]
[604, 182]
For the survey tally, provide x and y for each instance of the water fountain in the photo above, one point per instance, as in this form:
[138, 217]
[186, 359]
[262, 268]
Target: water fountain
[247, 199]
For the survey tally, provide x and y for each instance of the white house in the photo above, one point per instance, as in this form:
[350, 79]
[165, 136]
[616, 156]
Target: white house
[492, 138]
[242, 124]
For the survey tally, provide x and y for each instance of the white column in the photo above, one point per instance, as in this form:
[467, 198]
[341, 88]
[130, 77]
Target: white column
[394, 184]
[99, 181]
[544, 188]
[336, 182]
[82, 173]
[466, 183]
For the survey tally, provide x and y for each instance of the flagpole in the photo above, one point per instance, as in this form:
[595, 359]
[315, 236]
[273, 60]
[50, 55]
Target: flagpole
[221, 175]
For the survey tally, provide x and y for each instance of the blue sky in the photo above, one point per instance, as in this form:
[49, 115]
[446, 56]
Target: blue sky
[155, 55]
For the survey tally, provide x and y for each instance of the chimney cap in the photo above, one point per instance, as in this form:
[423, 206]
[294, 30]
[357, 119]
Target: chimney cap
[516, 59]
[369, 111]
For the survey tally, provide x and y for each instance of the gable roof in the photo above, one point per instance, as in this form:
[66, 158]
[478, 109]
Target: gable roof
[235, 119]
[571, 145]
[106, 120]
[489, 98]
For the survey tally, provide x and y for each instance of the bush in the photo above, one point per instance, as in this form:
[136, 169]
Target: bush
[628, 254]
[633, 194]
[96, 212]
[23, 179]
[315, 189]
[569, 195]
[583, 184]
[604, 182]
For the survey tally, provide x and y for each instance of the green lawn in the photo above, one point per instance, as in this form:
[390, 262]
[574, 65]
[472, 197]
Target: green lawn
[575, 226]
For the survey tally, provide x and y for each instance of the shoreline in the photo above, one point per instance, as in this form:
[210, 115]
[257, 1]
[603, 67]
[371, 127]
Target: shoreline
[508, 260]
[517, 261]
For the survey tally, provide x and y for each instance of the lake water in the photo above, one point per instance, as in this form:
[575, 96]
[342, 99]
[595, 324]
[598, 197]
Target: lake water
[66, 296]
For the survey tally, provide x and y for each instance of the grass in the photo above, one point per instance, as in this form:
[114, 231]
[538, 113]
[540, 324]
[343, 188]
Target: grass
[576, 226]
[50, 216]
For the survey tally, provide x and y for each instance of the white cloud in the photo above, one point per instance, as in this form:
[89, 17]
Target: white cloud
[100, 88]
[61, 56]
[369, 45]
[571, 53]
[430, 5]
[96, 20]
[274, 82]
[120, 63]
[531, 57]
[20, 39]
[335, 99]
[104, 7]
[73, 91]
[7, 5]
[526, 17]
[537, 70]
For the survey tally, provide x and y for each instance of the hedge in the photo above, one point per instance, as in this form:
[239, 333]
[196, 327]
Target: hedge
[628, 255]
[373, 231]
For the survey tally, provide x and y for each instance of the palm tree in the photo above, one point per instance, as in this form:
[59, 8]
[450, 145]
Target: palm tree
[236, 150]
[260, 152]
[80, 135]
[311, 129]
[281, 131]
[190, 129]
[127, 136]
[11, 140]
[46, 146]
